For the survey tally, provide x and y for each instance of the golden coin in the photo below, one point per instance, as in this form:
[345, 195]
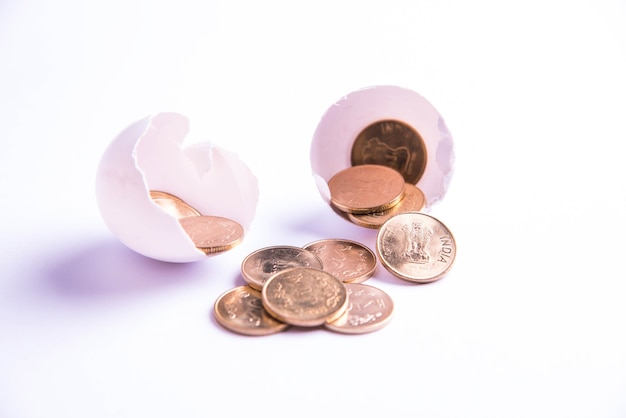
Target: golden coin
[258, 266]
[413, 201]
[173, 205]
[366, 188]
[349, 261]
[369, 309]
[241, 310]
[212, 234]
[416, 247]
[393, 144]
[304, 296]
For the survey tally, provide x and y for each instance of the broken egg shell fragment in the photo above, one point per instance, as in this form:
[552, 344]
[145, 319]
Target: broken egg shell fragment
[148, 155]
[332, 142]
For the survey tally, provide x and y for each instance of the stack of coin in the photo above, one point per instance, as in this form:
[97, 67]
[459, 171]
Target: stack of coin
[388, 158]
[210, 234]
[378, 191]
[369, 194]
[319, 284]
[411, 245]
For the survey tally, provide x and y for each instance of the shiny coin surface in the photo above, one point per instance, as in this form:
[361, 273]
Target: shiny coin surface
[369, 309]
[173, 205]
[258, 266]
[413, 201]
[304, 296]
[212, 234]
[393, 144]
[416, 247]
[366, 188]
[241, 310]
[349, 261]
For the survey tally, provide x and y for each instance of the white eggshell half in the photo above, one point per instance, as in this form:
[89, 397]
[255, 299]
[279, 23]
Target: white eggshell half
[149, 155]
[332, 141]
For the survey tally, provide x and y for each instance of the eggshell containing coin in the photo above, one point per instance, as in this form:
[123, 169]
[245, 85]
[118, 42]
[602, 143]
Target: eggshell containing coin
[149, 155]
[345, 120]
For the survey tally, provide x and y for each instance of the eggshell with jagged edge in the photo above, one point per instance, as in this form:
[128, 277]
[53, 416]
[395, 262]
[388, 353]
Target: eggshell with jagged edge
[149, 155]
[342, 122]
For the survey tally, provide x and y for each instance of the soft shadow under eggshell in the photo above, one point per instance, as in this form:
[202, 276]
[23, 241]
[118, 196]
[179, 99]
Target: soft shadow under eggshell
[338, 128]
[149, 155]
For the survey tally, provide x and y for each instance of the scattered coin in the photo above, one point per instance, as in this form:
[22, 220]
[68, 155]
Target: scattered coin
[369, 309]
[413, 201]
[241, 310]
[320, 284]
[173, 205]
[258, 266]
[416, 247]
[304, 296]
[349, 261]
[366, 188]
[393, 144]
[212, 234]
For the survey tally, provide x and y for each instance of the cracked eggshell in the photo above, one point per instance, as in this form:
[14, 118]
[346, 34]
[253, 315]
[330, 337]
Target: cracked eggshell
[148, 155]
[338, 128]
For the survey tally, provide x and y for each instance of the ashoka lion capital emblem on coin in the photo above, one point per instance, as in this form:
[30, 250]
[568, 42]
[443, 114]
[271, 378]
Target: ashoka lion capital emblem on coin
[394, 144]
[415, 247]
[375, 151]
[417, 239]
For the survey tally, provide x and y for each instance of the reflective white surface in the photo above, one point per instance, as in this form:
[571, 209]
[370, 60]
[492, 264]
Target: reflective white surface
[530, 320]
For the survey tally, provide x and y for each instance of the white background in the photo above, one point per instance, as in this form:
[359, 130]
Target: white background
[531, 321]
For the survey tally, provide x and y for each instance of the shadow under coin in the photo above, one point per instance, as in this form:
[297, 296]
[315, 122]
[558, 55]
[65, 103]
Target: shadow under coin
[327, 224]
[109, 269]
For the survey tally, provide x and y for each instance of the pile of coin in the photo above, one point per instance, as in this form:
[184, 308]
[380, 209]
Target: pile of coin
[411, 245]
[319, 284]
[210, 234]
[369, 194]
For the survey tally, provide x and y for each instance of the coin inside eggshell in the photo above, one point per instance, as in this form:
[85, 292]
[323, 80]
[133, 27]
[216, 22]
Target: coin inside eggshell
[173, 204]
[413, 201]
[385, 125]
[394, 144]
[212, 234]
[366, 188]
[149, 155]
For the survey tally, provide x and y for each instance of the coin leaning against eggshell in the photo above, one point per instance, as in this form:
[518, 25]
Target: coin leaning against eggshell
[150, 155]
[366, 188]
[413, 201]
[385, 124]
